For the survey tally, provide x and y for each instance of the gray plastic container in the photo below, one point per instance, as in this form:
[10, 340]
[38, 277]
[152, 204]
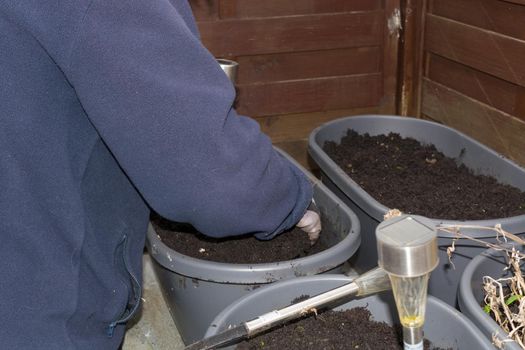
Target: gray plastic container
[470, 295]
[444, 326]
[197, 290]
[481, 159]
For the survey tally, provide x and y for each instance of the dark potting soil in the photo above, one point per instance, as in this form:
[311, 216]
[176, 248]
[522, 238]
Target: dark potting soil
[331, 330]
[186, 240]
[415, 178]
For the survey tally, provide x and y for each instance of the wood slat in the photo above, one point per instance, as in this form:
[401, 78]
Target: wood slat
[410, 56]
[487, 51]
[299, 126]
[311, 64]
[310, 95]
[272, 8]
[483, 87]
[391, 36]
[499, 16]
[295, 33]
[205, 10]
[407, 64]
[521, 2]
[492, 127]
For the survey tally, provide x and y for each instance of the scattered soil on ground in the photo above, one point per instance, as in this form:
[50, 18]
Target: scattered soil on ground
[404, 174]
[185, 239]
[331, 330]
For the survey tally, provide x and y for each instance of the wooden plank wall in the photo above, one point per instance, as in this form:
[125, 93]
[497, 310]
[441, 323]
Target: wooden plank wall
[304, 62]
[473, 70]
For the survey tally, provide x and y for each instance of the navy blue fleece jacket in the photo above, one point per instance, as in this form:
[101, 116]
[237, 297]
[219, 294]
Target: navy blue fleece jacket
[109, 108]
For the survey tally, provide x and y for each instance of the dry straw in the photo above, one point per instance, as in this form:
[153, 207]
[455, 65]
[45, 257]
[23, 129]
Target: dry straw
[503, 296]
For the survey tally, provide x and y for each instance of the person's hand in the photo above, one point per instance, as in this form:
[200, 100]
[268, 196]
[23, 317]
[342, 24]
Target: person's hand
[311, 224]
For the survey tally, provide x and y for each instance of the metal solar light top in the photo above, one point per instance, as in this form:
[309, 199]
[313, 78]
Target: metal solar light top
[407, 246]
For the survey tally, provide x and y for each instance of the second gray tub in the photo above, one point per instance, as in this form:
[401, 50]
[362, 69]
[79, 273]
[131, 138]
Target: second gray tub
[481, 159]
[197, 290]
[491, 263]
[444, 326]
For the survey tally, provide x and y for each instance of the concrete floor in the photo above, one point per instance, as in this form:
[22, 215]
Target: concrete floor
[153, 327]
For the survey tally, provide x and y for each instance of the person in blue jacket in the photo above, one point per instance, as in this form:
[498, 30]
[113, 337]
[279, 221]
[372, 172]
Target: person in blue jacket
[110, 108]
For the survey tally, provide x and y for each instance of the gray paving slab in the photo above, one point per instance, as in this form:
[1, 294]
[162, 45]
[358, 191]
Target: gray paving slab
[152, 328]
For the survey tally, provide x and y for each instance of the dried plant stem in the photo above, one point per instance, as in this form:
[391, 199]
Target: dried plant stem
[501, 234]
[503, 294]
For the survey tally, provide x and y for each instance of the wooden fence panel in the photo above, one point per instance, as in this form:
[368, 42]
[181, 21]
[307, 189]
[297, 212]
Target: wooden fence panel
[486, 88]
[487, 51]
[310, 95]
[498, 130]
[304, 62]
[494, 15]
[472, 75]
[287, 127]
[290, 34]
[309, 65]
[271, 8]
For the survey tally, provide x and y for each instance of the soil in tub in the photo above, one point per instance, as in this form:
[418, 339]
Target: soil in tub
[332, 330]
[416, 178]
[186, 240]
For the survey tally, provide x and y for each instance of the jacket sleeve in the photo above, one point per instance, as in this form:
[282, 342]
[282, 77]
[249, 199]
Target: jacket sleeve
[163, 107]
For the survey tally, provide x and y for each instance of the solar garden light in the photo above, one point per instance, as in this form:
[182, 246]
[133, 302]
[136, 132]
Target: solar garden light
[407, 251]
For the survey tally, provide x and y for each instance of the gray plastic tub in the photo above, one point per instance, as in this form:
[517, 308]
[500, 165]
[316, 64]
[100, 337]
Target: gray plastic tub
[197, 290]
[444, 326]
[470, 296]
[482, 160]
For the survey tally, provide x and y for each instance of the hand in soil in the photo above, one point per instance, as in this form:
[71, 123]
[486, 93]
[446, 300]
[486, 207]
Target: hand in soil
[311, 224]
